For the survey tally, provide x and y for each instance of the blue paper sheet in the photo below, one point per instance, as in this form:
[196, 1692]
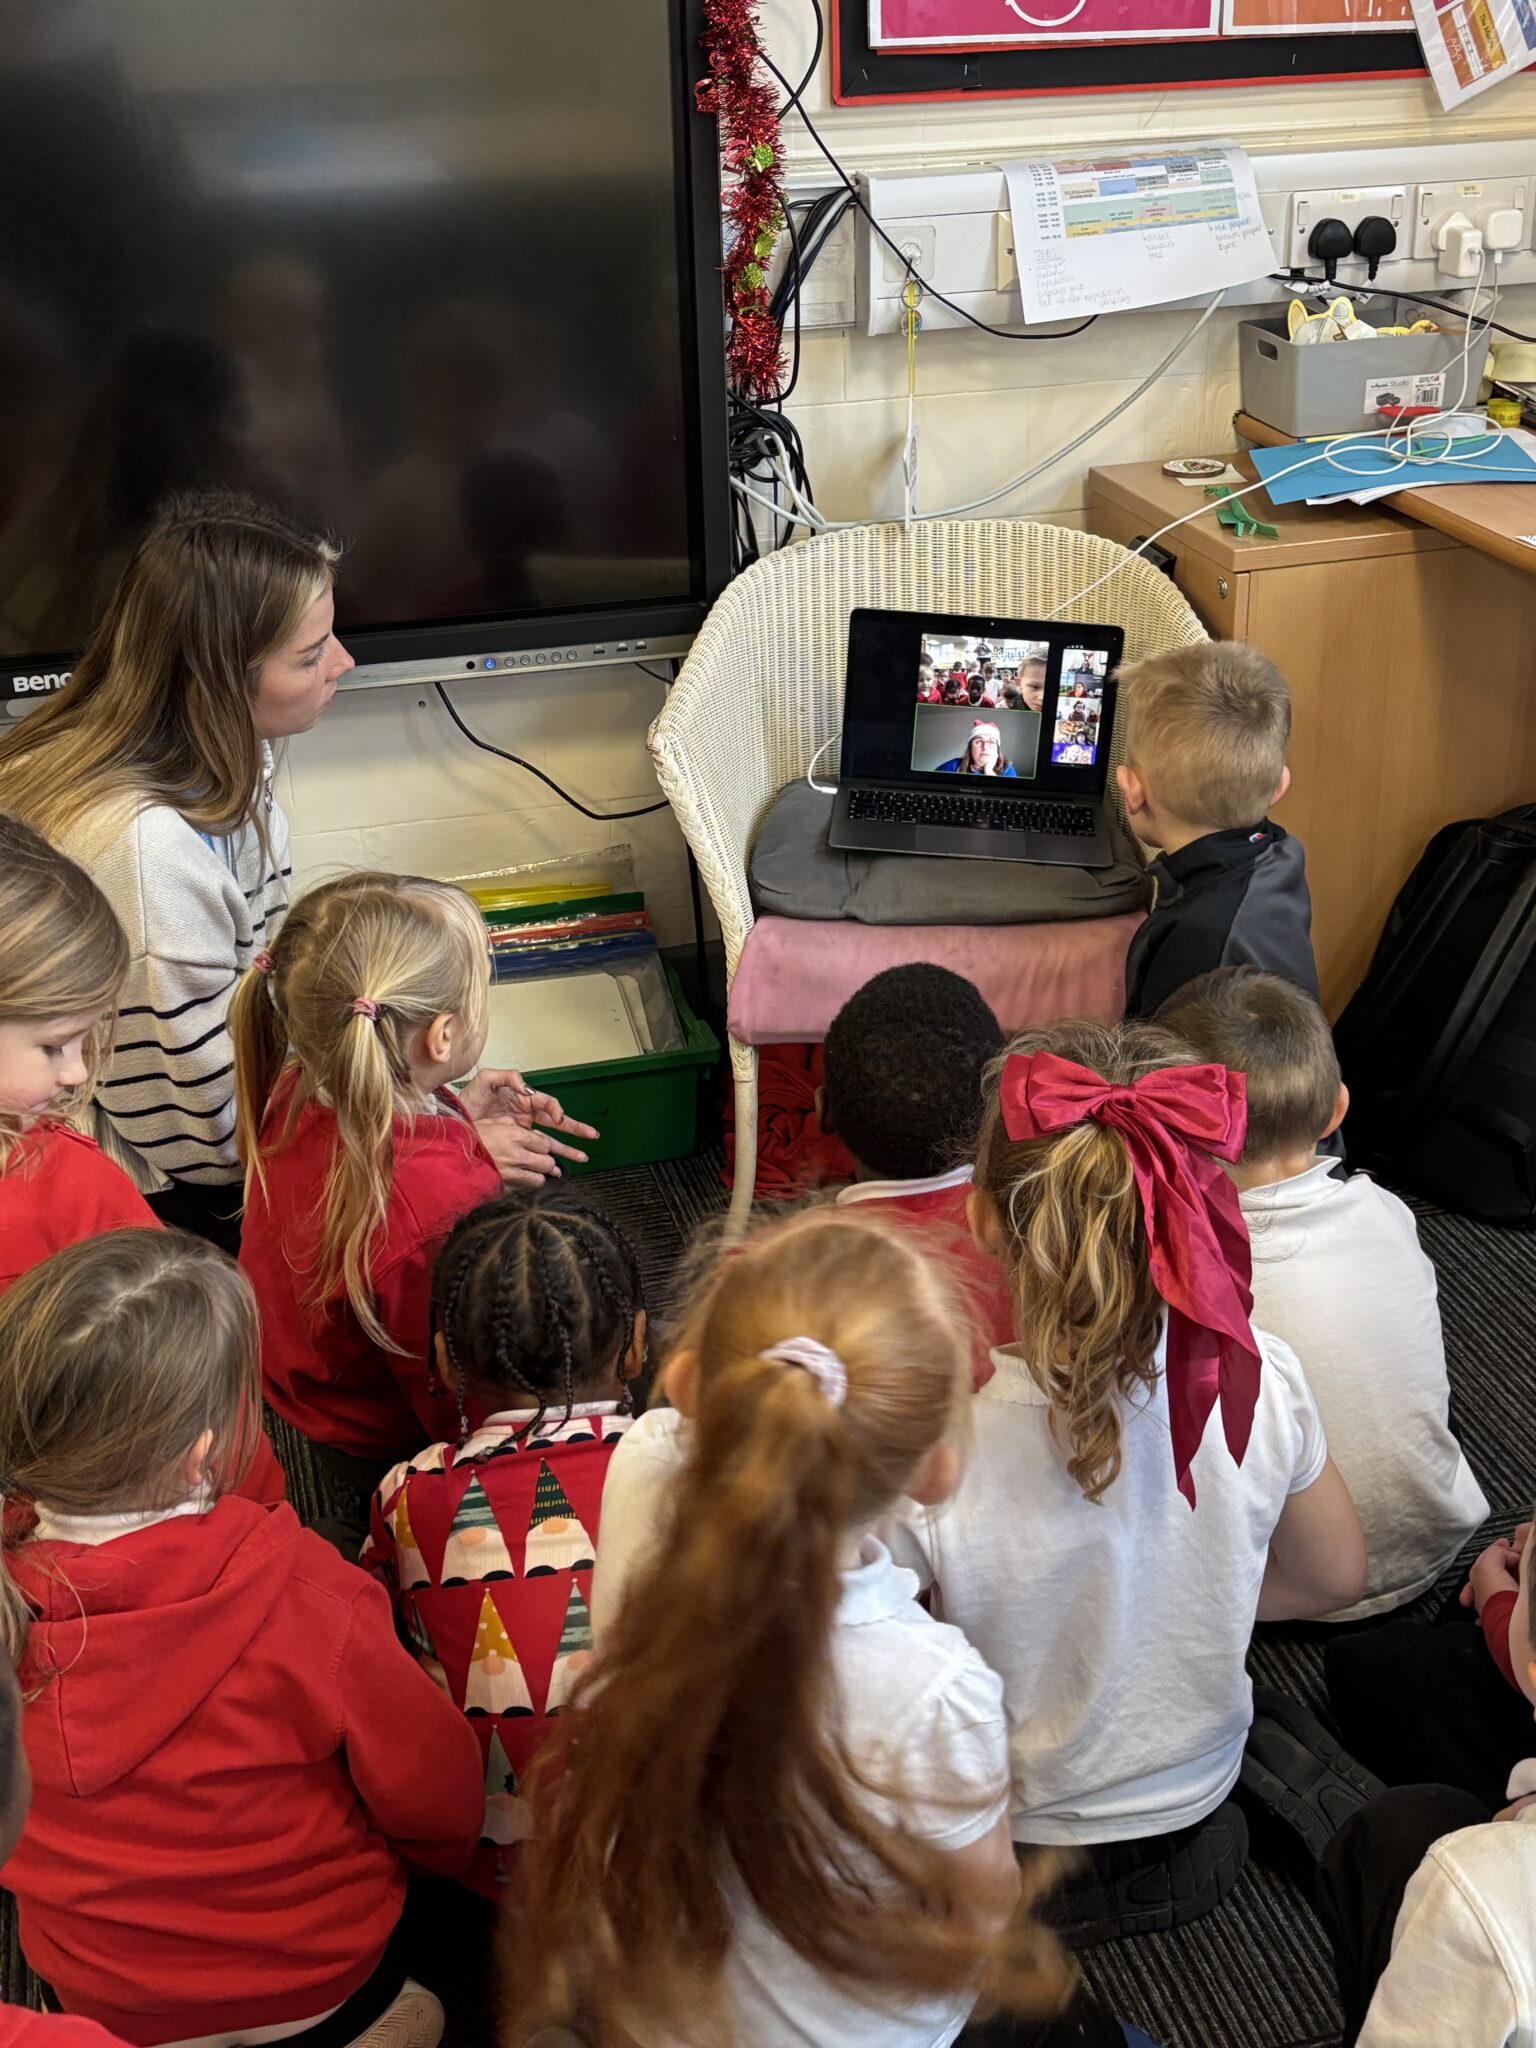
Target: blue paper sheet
[1304, 470]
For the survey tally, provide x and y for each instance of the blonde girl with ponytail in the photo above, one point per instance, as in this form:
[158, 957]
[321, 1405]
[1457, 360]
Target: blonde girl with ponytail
[1149, 1475]
[776, 1809]
[232, 1756]
[359, 1160]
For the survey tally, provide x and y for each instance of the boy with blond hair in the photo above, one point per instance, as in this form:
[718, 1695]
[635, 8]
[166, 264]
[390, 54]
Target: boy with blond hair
[1339, 1274]
[1206, 729]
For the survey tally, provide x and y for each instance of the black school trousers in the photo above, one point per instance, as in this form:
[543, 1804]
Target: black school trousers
[1364, 1872]
[1423, 1703]
[1084, 2024]
[211, 1212]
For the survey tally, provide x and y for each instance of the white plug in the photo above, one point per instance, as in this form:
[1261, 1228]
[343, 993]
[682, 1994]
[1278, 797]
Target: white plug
[1503, 227]
[1460, 244]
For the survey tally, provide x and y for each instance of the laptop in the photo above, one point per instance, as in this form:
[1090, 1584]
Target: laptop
[983, 739]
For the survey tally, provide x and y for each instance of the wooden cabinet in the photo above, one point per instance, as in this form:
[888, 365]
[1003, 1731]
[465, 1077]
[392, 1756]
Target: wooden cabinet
[1410, 659]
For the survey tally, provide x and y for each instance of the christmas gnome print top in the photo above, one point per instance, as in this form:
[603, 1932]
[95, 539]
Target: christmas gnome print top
[487, 1551]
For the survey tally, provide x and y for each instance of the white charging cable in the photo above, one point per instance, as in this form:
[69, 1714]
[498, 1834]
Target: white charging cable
[1408, 454]
[823, 788]
[808, 515]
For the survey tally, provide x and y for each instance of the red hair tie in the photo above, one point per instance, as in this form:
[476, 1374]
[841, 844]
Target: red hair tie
[1172, 1121]
[262, 962]
[365, 1006]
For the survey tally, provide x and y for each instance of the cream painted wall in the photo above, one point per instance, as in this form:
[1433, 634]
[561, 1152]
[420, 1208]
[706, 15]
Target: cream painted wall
[988, 409]
[384, 779]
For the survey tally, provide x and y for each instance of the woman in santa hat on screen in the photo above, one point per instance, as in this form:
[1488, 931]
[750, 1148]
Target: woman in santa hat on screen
[983, 753]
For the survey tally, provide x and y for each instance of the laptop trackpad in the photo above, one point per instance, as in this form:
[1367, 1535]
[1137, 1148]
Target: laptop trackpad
[894, 838]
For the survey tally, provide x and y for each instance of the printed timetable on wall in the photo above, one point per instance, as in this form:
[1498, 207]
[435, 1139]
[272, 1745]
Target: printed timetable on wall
[1110, 234]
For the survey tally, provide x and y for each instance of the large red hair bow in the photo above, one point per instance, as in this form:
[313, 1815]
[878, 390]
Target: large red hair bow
[1172, 1121]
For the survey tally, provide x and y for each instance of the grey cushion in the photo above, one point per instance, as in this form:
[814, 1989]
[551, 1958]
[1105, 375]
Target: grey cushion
[794, 873]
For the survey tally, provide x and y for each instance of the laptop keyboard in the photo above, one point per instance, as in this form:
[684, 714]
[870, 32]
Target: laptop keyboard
[938, 807]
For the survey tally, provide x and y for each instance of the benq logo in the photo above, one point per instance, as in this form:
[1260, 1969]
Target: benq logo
[24, 685]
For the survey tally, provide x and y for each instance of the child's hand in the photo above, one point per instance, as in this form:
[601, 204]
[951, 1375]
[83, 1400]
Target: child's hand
[1515, 1809]
[505, 1112]
[503, 1092]
[1497, 1570]
[498, 1091]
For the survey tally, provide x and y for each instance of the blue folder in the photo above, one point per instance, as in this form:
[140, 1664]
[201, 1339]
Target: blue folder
[1304, 469]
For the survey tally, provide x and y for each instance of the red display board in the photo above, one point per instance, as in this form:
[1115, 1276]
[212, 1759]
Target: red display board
[893, 50]
[933, 24]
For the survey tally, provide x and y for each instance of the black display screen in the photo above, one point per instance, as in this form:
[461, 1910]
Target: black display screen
[421, 274]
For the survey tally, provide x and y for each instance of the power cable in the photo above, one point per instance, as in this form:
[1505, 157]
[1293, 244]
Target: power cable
[501, 753]
[929, 291]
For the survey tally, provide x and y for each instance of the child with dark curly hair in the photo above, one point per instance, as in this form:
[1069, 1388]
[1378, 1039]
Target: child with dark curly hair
[904, 1060]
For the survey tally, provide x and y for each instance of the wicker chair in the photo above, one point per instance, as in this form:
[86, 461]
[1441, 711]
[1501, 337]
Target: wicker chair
[762, 689]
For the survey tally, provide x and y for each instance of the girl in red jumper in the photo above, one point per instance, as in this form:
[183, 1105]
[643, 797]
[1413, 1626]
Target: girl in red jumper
[486, 1543]
[359, 1161]
[231, 1756]
[63, 958]
[62, 964]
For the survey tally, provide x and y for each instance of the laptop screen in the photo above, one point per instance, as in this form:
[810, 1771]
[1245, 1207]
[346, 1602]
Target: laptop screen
[1012, 701]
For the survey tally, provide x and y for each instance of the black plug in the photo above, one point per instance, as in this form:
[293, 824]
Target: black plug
[1374, 238]
[1328, 242]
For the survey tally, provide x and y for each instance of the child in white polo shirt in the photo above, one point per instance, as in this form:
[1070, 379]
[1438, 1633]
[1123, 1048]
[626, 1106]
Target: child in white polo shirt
[1339, 1273]
[786, 1803]
[1439, 1952]
[1107, 1551]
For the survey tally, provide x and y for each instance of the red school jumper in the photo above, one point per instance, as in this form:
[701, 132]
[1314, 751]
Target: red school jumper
[321, 1371]
[936, 1208]
[487, 1550]
[58, 1189]
[230, 1754]
[19, 2029]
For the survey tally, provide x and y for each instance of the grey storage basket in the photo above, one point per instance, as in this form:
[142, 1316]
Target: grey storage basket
[1335, 387]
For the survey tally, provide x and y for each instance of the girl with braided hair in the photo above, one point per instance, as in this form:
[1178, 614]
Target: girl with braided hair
[486, 1544]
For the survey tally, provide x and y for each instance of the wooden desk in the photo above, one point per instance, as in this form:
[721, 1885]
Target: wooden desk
[1488, 517]
[1409, 658]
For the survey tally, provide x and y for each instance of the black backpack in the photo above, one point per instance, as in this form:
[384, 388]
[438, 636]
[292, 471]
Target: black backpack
[1438, 1044]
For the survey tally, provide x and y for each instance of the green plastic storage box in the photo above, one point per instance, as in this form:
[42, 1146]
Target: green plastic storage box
[647, 1108]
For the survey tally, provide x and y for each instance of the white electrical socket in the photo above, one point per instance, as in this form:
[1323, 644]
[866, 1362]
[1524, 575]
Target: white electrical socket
[1350, 204]
[1477, 198]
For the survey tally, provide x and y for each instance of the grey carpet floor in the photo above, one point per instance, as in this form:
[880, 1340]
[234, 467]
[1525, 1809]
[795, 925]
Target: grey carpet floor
[1256, 1973]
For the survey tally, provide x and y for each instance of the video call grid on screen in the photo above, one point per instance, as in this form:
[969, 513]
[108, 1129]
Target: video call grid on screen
[981, 704]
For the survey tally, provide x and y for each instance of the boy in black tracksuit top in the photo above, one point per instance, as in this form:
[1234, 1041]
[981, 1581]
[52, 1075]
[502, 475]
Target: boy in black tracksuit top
[1205, 736]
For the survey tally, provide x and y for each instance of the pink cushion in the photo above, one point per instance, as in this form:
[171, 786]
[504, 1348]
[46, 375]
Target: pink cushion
[794, 976]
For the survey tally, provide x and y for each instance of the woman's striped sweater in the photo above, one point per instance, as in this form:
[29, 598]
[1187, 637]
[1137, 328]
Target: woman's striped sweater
[195, 912]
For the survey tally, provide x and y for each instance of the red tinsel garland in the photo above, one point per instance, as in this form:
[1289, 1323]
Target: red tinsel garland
[747, 108]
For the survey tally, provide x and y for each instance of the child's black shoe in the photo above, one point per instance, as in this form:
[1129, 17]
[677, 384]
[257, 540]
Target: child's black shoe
[1295, 1770]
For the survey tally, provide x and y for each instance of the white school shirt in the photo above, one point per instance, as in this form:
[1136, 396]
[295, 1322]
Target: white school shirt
[1119, 1627]
[920, 1713]
[1463, 1971]
[1339, 1273]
